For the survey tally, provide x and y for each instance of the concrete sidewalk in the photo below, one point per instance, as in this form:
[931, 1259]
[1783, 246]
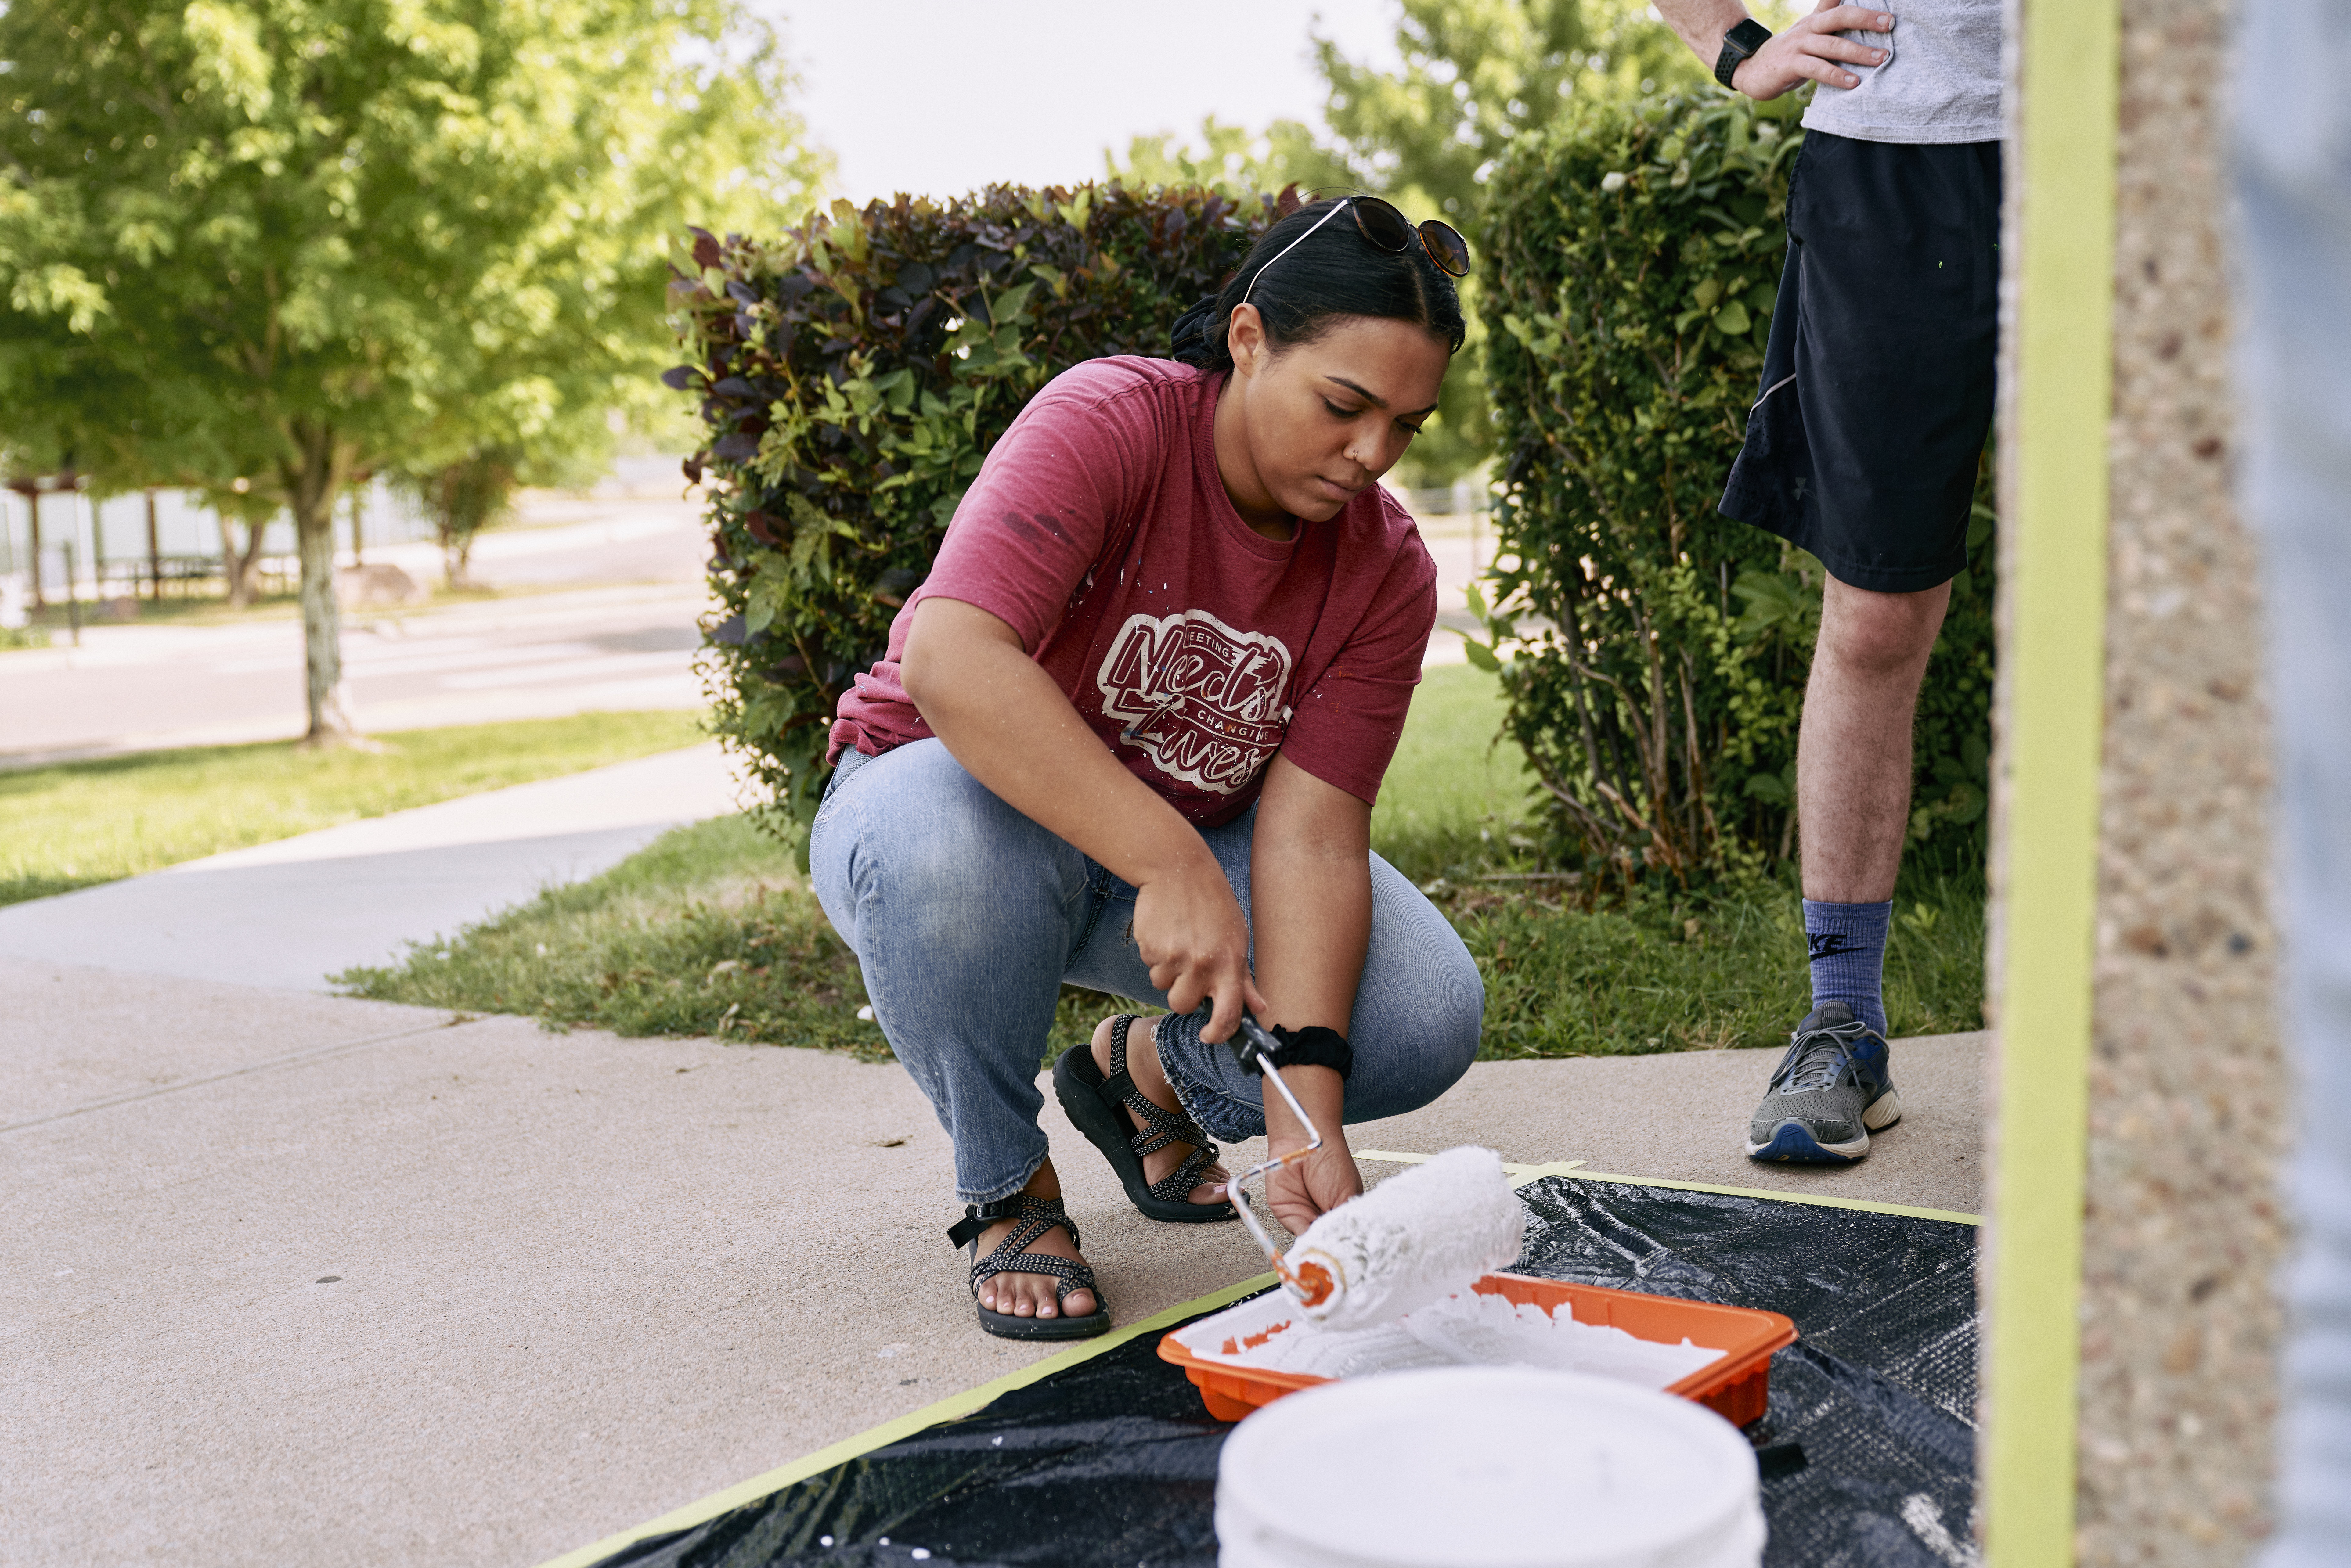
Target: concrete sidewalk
[291, 913]
[289, 1277]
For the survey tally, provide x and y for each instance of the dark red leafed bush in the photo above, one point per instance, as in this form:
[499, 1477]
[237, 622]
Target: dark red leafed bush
[854, 373]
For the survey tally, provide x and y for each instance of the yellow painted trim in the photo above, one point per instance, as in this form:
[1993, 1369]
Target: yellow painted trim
[2053, 668]
[952, 1408]
[1572, 1168]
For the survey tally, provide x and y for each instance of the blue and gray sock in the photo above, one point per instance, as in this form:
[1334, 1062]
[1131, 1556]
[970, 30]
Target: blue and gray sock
[1848, 947]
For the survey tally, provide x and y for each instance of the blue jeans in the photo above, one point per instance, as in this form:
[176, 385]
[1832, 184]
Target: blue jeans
[966, 918]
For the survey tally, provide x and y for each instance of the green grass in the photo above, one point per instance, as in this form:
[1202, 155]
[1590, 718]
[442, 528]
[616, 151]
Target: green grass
[76, 823]
[1661, 975]
[1452, 796]
[711, 930]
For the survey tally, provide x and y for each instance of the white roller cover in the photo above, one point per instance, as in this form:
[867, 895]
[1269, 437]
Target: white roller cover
[1414, 1239]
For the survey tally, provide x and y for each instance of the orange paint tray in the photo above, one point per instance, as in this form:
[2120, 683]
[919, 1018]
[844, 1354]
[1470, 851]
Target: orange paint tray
[1735, 1384]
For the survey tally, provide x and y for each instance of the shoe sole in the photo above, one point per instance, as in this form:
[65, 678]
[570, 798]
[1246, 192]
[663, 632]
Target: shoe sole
[1791, 1143]
[1079, 1089]
[1009, 1325]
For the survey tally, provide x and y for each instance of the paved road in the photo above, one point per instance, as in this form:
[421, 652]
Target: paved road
[563, 650]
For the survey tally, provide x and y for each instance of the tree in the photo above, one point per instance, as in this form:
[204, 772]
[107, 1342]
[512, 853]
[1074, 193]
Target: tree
[307, 237]
[1476, 74]
[238, 503]
[1233, 160]
[463, 499]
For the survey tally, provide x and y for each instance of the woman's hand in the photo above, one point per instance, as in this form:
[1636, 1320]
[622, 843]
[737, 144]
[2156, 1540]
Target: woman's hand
[1299, 1194]
[1188, 928]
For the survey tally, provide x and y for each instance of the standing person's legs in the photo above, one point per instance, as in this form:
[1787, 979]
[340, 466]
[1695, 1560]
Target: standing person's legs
[963, 913]
[1853, 781]
[1876, 398]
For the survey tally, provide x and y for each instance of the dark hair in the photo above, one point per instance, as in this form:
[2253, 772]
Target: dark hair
[1334, 274]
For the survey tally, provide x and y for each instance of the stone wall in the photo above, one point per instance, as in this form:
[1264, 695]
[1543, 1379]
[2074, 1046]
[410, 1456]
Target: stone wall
[2189, 1106]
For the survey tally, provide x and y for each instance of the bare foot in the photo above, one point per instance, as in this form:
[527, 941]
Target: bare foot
[1031, 1295]
[1142, 1066]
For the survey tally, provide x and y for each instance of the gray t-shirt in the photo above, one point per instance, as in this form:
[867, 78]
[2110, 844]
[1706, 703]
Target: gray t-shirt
[1941, 84]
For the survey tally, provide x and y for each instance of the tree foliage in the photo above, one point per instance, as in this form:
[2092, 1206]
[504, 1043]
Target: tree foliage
[1233, 160]
[1636, 252]
[304, 237]
[853, 374]
[1476, 75]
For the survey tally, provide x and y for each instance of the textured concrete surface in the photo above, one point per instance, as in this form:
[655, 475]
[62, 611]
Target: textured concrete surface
[2182, 1233]
[293, 911]
[285, 1278]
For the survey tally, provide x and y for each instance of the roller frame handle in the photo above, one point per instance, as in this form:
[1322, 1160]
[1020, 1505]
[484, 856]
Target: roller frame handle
[1258, 1050]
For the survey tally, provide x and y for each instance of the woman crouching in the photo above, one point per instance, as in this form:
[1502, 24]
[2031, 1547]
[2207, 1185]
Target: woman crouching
[1127, 736]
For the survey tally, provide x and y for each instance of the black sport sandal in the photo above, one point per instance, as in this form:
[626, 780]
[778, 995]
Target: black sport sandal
[1105, 1108]
[1037, 1216]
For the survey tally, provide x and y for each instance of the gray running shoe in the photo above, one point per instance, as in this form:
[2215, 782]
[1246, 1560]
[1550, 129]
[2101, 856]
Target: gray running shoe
[1834, 1088]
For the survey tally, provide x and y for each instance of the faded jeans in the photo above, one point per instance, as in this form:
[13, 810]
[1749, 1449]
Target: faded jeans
[967, 917]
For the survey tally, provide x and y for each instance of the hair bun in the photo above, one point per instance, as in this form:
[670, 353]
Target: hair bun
[1188, 339]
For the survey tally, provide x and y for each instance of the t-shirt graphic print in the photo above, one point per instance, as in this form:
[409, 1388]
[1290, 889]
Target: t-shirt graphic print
[1208, 704]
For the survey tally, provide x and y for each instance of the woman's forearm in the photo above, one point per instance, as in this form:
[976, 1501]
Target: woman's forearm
[1015, 731]
[1311, 914]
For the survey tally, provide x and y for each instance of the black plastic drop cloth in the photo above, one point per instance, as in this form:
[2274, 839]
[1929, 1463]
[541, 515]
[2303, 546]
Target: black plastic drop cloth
[1879, 1389]
[1867, 1446]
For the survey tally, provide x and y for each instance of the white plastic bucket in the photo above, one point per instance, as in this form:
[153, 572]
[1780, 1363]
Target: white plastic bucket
[1476, 1466]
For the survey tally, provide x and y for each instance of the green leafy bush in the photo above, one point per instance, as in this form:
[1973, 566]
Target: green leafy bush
[1635, 259]
[854, 373]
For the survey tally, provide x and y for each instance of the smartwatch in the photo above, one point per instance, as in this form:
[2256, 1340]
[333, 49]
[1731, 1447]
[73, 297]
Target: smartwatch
[1736, 44]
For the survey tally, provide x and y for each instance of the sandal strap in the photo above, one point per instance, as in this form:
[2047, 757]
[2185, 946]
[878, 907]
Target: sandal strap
[1178, 1184]
[1037, 1215]
[1159, 1128]
[1072, 1275]
[1011, 1256]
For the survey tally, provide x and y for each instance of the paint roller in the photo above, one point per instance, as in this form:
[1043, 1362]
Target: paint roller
[1416, 1238]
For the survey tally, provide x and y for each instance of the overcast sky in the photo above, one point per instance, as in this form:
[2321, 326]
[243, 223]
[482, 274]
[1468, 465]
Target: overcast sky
[940, 96]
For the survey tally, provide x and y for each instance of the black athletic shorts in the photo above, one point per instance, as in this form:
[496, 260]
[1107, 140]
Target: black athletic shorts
[1877, 378]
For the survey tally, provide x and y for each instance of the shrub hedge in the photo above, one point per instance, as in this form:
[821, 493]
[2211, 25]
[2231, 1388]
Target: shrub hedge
[1662, 649]
[854, 373]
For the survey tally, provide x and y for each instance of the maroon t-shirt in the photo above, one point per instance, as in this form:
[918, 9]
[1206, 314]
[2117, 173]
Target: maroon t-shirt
[1099, 530]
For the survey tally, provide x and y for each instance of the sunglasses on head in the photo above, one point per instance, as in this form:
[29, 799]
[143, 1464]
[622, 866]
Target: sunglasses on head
[1385, 228]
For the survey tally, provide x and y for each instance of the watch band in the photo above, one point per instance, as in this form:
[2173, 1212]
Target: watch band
[1736, 44]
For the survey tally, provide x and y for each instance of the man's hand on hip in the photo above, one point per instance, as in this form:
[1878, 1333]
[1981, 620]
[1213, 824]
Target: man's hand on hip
[1810, 50]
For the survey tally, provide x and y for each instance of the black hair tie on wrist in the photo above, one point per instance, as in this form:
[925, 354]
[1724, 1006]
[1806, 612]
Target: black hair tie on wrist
[1314, 1047]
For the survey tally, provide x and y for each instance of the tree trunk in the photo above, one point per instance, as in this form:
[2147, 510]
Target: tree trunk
[313, 480]
[154, 553]
[237, 565]
[33, 506]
